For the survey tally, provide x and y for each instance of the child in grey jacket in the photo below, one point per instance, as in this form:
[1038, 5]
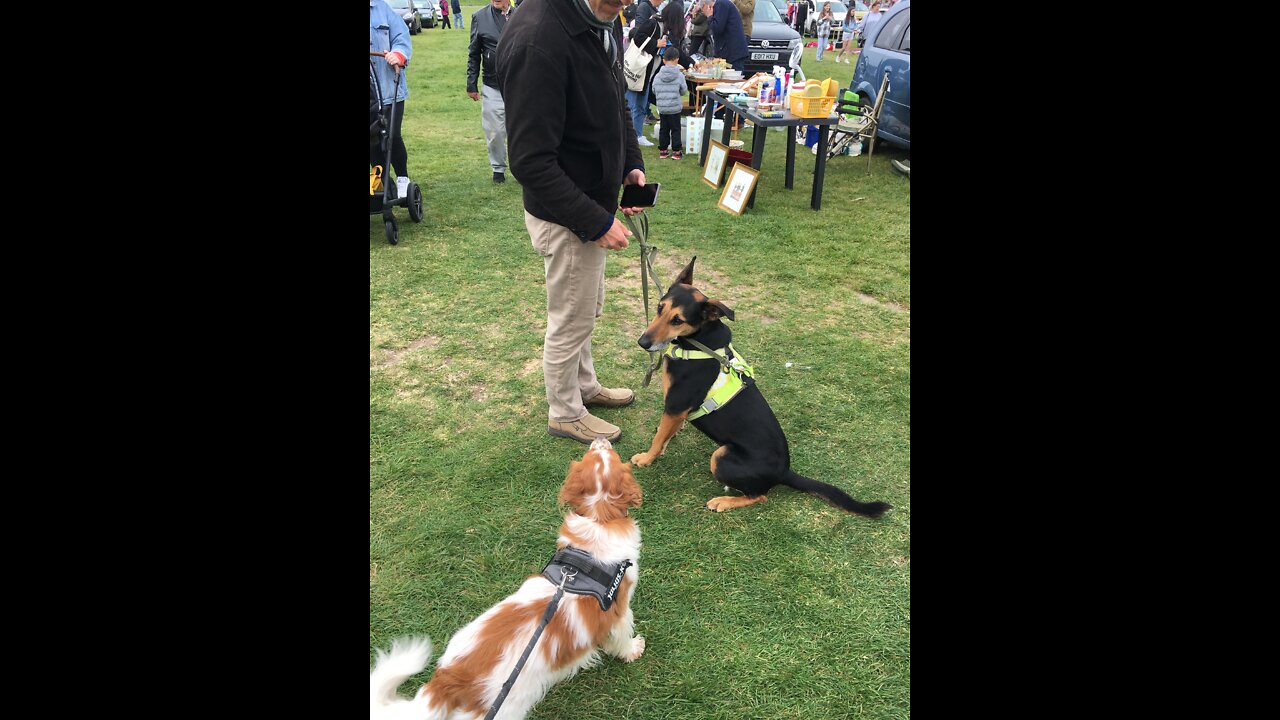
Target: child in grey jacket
[668, 87]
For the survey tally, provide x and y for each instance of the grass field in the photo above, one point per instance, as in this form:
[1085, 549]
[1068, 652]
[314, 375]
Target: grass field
[786, 609]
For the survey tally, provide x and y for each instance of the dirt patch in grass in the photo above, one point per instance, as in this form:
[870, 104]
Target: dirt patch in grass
[393, 357]
[884, 304]
[531, 366]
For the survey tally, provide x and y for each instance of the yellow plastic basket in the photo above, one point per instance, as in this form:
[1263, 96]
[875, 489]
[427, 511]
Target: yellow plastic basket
[811, 107]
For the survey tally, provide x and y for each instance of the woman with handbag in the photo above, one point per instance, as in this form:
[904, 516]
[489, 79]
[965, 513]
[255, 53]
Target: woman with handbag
[868, 21]
[646, 39]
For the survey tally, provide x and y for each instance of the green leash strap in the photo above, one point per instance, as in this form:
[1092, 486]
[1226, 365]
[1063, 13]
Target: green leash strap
[638, 224]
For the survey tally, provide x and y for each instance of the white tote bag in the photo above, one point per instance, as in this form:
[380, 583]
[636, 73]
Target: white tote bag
[635, 62]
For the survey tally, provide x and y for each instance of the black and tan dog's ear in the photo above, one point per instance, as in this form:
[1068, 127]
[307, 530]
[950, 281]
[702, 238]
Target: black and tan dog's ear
[715, 309]
[686, 275]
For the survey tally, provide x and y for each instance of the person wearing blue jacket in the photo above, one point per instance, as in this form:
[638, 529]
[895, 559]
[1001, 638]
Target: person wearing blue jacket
[724, 22]
[389, 34]
[457, 14]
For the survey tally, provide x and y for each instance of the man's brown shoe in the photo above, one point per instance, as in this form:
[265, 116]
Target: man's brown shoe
[585, 429]
[611, 397]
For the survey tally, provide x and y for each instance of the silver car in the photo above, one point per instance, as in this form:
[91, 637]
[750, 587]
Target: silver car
[409, 13]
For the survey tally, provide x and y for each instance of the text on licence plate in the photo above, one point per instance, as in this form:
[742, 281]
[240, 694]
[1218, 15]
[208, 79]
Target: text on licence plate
[764, 56]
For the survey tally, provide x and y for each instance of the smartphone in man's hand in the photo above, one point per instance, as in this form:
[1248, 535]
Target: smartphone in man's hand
[640, 196]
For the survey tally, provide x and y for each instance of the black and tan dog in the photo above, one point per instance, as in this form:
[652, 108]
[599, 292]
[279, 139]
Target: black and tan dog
[753, 455]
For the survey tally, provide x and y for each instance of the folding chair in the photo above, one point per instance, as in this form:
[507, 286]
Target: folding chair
[873, 121]
[855, 124]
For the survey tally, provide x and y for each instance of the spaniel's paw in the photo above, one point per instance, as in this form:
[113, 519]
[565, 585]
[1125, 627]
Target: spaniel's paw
[637, 649]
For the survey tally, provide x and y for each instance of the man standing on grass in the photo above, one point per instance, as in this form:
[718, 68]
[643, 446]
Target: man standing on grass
[572, 147]
[486, 28]
[457, 14]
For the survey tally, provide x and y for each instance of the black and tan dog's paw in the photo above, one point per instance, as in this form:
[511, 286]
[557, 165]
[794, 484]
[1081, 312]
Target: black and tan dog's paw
[729, 502]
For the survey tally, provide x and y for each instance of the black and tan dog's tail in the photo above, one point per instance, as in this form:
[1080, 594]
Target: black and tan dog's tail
[835, 495]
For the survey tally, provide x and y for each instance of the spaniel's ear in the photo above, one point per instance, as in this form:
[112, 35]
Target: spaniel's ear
[714, 310]
[573, 491]
[631, 494]
[686, 275]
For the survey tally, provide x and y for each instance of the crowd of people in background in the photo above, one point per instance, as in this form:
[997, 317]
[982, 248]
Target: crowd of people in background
[722, 27]
[797, 17]
[557, 141]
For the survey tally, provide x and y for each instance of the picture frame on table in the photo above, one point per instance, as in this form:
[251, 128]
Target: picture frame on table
[738, 188]
[713, 171]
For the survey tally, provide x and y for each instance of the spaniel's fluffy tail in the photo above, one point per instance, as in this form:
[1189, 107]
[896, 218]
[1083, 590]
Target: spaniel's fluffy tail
[408, 657]
[835, 496]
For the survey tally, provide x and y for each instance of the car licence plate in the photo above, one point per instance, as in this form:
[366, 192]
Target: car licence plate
[764, 56]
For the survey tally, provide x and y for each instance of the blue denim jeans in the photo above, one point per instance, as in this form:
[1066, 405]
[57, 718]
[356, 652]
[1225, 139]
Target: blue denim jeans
[639, 104]
[457, 20]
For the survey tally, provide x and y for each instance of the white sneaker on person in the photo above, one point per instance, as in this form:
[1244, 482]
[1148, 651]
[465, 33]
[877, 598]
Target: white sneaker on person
[402, 187]
[643, 141]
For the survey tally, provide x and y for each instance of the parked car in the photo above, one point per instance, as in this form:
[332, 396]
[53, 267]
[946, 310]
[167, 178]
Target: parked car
[772, 41]
[888, 48]
[430, 14]
[409, 12]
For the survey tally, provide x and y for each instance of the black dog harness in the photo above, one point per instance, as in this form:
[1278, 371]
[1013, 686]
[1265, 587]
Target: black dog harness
[581, 574]
[593, 577]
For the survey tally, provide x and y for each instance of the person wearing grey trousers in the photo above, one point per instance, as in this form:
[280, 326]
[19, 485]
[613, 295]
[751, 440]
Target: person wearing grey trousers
[486, 29]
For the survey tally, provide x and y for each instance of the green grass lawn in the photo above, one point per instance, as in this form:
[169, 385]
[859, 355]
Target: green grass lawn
[787, 609]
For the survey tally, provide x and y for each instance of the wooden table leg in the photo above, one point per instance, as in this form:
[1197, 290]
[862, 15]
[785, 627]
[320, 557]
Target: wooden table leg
[757, 156]
[707, 111]
[791, 155]
[819, 168]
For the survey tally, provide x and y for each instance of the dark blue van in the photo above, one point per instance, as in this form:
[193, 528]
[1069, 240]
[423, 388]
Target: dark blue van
[888, 47]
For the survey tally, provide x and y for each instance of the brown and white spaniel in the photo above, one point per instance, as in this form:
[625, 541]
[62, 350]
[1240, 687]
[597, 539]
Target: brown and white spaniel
[469, 675]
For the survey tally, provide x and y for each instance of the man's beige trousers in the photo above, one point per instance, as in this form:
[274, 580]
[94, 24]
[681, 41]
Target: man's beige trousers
[575, 298]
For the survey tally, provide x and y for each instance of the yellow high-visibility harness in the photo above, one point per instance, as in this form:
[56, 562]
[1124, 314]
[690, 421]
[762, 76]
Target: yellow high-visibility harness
[728, 383]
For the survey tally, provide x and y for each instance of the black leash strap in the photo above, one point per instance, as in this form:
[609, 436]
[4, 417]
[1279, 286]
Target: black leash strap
[639, 226]
[546, 618]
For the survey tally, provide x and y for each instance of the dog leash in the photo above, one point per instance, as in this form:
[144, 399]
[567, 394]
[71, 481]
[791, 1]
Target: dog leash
[565, 576]
[639, 226]
[709, 351]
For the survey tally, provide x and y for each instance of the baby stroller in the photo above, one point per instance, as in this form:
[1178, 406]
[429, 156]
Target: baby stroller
[382, 188]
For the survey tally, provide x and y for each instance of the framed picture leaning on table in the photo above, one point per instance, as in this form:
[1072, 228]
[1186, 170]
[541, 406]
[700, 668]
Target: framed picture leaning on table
[737, 189]
[713, 172]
